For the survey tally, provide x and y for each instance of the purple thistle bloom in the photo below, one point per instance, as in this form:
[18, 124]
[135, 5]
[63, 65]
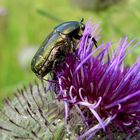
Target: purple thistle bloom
[103, 90]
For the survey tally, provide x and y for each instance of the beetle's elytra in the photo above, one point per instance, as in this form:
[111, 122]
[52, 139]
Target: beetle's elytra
[55, 48]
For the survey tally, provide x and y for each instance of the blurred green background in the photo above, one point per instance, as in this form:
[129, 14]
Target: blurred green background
[25, 23]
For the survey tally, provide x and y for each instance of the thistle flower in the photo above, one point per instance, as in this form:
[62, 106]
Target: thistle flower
[96, 97]
[104, 91]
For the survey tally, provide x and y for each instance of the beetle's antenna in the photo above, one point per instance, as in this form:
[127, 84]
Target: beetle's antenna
[94, 41]
[82, 20]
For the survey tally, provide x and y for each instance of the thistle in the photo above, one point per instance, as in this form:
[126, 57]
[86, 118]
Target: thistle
[104, 91]
[95, 96]
[35, 114]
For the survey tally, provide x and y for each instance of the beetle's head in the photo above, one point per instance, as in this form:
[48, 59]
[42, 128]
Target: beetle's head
[77, 33]
[81, 29]
[78, 30]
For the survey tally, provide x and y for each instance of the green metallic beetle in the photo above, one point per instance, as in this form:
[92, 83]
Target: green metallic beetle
[56, 47]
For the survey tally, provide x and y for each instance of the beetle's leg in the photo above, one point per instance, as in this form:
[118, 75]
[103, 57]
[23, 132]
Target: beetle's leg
[78, 36]
[72, 46]
[94, 41]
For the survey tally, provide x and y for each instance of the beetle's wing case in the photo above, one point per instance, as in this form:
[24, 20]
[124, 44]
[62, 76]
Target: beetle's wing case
[51, 49]
[39, 56]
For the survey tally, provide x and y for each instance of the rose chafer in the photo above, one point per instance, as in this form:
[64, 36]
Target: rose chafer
[57, 45]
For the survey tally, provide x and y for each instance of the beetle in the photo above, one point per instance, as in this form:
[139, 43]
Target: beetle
[56, 46]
